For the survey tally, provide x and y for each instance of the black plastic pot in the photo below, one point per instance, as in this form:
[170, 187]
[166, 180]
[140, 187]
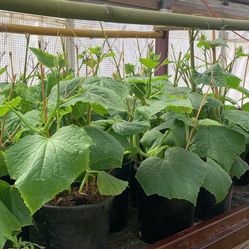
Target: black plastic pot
[159, 217]
[133, 185]
[81, 227]
[244, 179]
[119, 210]
[206, 206]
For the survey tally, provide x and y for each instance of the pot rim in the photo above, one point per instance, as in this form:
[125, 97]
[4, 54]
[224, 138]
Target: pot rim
[85, 206]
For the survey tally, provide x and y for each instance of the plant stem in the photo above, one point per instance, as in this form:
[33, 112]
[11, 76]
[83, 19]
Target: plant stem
[83, 182]
[149, 85]
[89, 113]
[197, 118]
[26, 58]
[192, 57]
[44, 100]
[52, 114]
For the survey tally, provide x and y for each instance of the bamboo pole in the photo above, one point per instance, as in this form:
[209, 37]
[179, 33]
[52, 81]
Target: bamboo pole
[68, 32]
[108, 13]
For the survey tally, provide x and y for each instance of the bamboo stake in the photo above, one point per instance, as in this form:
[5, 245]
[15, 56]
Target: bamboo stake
[108, 13]
[34, 30]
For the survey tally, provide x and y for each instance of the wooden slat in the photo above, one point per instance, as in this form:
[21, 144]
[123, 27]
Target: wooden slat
[193, 7]
[68, 32]
[231, 228]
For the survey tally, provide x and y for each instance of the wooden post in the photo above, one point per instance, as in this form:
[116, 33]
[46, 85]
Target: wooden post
[162, 44]
[161, 47]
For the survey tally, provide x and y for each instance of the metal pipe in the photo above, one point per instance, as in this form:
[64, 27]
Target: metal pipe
[108, 13]
[34, 30]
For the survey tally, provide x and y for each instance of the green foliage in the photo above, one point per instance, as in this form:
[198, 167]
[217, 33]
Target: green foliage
[106, 152]
[110, 185]
[217, 141]
[47, 166]
[172, 176]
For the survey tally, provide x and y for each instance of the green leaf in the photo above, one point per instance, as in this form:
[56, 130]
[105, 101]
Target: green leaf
[126, 128]
[173, 177]
[110, 185]
[217, 181]
[196, 100]
[170, 118]
[11, 198]
[179, 105]
[46, 59]
[218, 43]
[106, 152]
[3, 168]
[67, 89]
[3, 70]
[218, 77]
[8, 105]
[100, 97]
[46, 166]
[104, 82]
[239, 167]
[237, 117]
[149, 63]
[8, 224]
[219, 143]
[150, 110]
[208, 122]
[150, 138]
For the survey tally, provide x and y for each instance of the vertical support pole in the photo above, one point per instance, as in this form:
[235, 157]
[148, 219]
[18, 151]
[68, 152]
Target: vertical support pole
[162, 44]
[69, 44]
[162, 47]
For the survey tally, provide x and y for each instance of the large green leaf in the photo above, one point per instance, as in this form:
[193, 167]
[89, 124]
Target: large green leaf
[150, 110]
[196, 100]
[67, 89]
[6, 107]
[239, 167]
[179, 175]
[217, 181]
[170, 118]
[126, 128]
[99, 96]
[8, 224]
[218, 77]
[180, 105]
[238, 117]
[219, 143]
[104, 82]
[11, 198]
[43, 167]
[110, 185]
[46, 59]
[106, 152]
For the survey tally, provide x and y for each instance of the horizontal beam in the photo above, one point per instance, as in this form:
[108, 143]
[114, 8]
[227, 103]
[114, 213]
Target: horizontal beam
[107, 13]
[150, 4]
[69, 32]
[193, 7]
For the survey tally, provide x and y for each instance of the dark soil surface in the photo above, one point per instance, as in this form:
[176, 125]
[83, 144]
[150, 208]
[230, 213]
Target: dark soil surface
[75, 198]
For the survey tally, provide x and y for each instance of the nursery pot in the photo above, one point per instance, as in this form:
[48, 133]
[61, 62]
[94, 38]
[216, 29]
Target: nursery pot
[133, 184]
[78, 227]
[206, 206]
[159, 217]
[119, 210]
